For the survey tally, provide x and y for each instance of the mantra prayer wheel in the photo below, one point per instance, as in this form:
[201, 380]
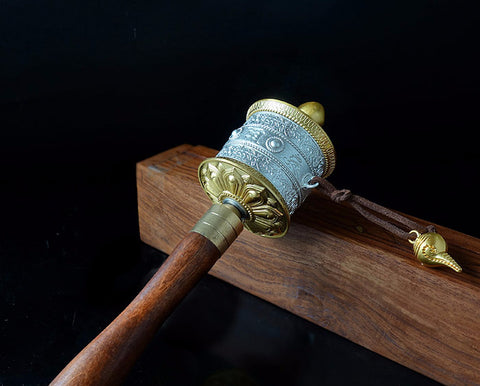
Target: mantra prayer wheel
[257, 180]
[265, 168]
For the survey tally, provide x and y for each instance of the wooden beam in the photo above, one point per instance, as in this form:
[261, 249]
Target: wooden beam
[335, 269]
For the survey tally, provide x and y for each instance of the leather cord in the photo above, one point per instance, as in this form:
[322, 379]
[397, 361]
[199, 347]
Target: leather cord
[373, 212]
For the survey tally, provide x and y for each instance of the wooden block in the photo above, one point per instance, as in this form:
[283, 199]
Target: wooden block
[335, 269]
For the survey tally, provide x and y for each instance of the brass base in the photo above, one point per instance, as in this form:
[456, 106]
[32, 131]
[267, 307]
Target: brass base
[266, 212]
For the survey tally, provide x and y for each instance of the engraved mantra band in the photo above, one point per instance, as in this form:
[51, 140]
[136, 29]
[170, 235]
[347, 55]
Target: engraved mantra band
[281, 150]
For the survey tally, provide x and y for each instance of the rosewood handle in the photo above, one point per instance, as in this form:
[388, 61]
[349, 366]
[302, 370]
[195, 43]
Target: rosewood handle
[107, 359]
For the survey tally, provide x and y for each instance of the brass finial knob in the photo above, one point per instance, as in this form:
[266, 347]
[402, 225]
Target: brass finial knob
[315, 111]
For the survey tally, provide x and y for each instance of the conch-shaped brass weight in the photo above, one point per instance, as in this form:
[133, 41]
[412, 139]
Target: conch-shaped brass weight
[431, 250]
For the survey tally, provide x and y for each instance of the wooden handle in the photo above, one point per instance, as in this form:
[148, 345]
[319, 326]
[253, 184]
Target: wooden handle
[107, 359]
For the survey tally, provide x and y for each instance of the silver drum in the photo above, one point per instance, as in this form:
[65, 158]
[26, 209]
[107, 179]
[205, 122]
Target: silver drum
[281, 150]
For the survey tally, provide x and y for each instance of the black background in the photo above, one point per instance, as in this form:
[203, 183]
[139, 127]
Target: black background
[89, 88]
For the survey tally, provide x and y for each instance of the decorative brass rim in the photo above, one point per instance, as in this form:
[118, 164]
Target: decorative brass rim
[300, 118]
[223, 178]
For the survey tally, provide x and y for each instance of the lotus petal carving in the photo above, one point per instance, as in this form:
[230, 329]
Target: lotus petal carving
[223, 178]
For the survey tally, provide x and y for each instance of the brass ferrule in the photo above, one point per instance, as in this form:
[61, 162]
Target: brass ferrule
[221, 224]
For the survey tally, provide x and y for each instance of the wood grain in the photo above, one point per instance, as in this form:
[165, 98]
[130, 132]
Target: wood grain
[335, 269]
[107, 359]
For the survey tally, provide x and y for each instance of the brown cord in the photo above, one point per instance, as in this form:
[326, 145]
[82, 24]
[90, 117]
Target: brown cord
[371, 210]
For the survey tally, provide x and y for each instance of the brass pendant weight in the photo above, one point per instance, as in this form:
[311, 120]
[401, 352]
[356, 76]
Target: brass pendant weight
[431, 250]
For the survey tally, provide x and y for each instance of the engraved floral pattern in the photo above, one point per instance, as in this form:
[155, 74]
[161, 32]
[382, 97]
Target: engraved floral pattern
[223, 179]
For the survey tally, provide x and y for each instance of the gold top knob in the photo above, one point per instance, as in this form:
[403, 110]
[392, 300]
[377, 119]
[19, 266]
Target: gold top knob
[315, 111]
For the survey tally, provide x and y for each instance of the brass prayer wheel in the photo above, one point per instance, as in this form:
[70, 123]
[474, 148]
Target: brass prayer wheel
[258, 179]
[265, 167]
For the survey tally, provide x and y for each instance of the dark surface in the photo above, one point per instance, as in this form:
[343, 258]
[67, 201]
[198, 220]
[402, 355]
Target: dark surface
[89, 88]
